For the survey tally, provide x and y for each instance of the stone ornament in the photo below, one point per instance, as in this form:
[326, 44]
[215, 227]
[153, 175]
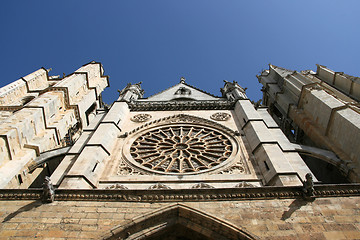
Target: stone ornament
[48, 194]
[181, 148]
[244, 184]
[117, 186]
[159, 186]
[202, 186]
[142, 117]
[237, 168]
[183, 91]
[124, 169]
[220, 116]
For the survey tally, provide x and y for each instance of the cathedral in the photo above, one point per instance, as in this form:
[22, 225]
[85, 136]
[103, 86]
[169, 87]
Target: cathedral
[183, 163]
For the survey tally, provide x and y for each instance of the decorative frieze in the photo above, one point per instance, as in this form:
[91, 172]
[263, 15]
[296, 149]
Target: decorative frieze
[175, 195]
[181, 105]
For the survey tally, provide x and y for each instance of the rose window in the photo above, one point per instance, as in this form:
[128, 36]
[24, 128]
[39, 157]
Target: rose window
[181, 149]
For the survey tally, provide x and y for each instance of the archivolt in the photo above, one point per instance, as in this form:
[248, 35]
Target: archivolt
[169, 219]
[185, 118]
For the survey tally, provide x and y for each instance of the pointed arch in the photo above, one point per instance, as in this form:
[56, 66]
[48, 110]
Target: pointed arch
[166, 222]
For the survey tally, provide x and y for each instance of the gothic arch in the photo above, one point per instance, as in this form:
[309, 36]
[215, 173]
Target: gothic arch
[178, 222]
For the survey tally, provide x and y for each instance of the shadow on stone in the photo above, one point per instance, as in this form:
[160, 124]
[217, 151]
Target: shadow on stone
[295, 205]
[25, 208]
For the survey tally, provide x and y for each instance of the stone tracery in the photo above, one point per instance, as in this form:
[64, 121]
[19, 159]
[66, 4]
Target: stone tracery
[181, 149]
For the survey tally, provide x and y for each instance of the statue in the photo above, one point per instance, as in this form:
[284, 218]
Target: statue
[48, 191]
[308, 186]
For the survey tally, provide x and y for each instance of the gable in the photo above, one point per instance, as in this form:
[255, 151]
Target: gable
[182, 91]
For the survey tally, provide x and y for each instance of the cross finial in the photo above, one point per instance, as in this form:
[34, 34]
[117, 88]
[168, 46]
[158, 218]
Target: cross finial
[182, 80]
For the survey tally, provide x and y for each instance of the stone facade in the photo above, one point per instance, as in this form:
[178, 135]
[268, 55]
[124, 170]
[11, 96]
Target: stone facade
[40, 113]
[182, 163]
[319, 111]
[323, 218]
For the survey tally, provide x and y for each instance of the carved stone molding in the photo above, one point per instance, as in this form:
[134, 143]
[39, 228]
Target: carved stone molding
[142, 117]
[171, 195]
[181, 105]
[185, 118]
[220, 116]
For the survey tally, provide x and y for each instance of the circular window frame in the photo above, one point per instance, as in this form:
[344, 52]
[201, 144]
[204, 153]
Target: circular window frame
[126, 152]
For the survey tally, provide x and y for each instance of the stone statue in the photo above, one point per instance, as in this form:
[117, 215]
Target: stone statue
[48, 191]
[308, 186]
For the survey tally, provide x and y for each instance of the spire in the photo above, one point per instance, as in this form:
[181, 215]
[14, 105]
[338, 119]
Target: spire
[233, 91]
[182, 80]
[131, 92]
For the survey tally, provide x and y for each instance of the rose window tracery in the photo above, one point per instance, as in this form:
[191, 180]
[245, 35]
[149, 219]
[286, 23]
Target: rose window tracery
[181, 149]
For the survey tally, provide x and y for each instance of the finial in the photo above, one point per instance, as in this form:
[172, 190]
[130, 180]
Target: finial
[182, 80]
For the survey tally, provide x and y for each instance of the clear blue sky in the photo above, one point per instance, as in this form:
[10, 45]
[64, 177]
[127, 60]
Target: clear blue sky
[157, 42]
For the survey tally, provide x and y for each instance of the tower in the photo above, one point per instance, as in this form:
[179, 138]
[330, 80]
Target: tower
[319, 111]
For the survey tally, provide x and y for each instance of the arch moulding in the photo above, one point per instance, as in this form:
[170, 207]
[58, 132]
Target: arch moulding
[152, 225]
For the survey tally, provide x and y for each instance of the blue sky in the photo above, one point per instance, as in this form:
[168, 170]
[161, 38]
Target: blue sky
[157, 42]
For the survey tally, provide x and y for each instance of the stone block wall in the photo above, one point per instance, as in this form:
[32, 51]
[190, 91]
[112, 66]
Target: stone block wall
[36, 113]
[324, 218]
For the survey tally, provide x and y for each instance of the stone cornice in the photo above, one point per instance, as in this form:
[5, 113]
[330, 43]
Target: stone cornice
[181, 105]
[175, 195]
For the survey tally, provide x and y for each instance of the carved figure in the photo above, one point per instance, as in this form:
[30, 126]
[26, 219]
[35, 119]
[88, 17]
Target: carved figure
[202, 185]
[159, 186]
[48, 191]
[308, 185]
[117, 186]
